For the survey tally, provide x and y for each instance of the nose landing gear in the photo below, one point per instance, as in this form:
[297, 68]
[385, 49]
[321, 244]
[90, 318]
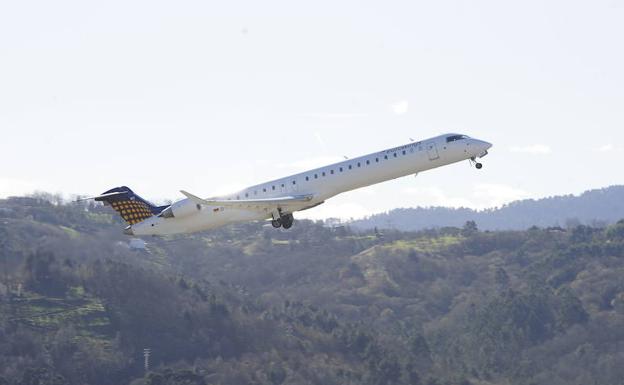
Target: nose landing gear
[473, 161]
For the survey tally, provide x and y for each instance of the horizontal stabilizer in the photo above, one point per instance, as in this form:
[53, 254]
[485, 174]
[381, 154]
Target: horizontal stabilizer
[100, 197]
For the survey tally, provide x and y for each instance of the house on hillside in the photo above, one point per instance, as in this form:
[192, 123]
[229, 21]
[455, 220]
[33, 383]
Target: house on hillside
[137, 244]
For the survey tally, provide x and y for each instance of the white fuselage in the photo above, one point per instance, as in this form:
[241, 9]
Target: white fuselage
[324, 182]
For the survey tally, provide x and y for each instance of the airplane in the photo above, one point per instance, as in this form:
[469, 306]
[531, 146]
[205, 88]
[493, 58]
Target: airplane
[278, 199]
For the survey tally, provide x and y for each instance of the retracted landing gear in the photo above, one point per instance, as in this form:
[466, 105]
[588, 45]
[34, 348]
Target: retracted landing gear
[284, 220]
[473, 161]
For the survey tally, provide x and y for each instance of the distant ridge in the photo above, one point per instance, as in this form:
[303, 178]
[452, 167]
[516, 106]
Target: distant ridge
[594, 207]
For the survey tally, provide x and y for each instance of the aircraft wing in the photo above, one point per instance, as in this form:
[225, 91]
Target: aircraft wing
[266, 204]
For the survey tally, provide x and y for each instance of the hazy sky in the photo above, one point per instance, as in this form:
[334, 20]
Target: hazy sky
[213, 96]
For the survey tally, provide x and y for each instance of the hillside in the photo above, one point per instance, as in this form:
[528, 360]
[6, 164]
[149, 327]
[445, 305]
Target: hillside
[313, 305]
[593, 207]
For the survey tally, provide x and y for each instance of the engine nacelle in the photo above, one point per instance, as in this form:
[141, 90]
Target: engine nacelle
[180, 209]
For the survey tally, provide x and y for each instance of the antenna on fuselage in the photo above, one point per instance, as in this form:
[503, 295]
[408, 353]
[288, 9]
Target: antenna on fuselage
[344, 156]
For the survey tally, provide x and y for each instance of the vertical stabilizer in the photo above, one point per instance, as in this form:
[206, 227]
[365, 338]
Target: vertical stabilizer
[131, 207]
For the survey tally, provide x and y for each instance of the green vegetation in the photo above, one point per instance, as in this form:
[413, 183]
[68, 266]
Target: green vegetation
[313, 305]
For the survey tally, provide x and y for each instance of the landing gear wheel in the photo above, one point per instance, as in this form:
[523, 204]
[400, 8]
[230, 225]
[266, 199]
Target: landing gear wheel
[287, 221]
[276, 223]
[478, 166]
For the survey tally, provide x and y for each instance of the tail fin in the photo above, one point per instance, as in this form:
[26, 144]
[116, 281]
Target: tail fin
[132, 208]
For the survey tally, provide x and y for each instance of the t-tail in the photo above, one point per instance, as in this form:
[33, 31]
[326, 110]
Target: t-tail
[131, 207]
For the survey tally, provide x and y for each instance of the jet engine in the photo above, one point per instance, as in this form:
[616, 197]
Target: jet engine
[179, 209]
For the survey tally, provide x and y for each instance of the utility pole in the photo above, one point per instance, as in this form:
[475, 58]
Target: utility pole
[146, 356]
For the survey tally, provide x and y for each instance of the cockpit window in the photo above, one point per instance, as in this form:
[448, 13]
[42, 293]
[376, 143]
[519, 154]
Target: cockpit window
[453, 138]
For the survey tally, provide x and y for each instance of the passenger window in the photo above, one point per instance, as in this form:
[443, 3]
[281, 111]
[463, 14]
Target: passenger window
[294, 182]
[282, 185]
[323, 173]
[395, 155]
[377, 160]
[403, 152]
[331, 172]
[272, 187]
[307, 178]
[367, 161]
[255, 192]
[264, 190]
[386, 157]
[315, 176]
[350, 167]
[246, 195]
[340, 169]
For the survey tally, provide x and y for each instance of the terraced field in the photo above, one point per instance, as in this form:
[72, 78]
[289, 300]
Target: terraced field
[51, 313]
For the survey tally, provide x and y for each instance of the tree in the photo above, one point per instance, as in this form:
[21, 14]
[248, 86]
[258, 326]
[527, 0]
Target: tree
[385, 371]
[277, 374]
[418, 346]
[43, 273]
[616, 231]
[42, 376]
[581, 234]
[177, 377]
[570, 310]
[469, 229]
[501, 278]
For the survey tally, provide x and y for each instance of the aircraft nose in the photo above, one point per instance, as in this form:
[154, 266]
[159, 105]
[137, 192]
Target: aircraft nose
[480, 147]
[482, 144]
[128, 231]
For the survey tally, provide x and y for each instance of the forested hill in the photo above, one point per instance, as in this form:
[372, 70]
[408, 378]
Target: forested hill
[311, 305]
[593, 207]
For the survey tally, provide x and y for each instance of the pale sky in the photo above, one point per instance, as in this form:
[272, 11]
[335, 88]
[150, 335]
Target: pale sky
[212, 96]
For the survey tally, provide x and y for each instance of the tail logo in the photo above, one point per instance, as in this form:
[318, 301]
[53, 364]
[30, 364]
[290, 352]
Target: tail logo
[132, 211]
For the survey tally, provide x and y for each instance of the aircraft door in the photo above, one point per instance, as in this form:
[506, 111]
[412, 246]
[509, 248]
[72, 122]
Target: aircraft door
[294, 186]
[432, 150]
